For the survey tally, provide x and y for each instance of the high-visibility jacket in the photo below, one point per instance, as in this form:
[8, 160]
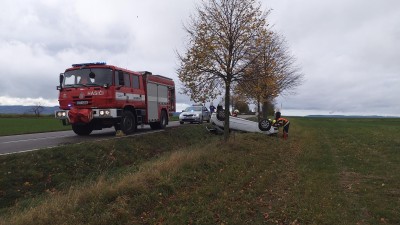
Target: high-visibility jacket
[282, 121]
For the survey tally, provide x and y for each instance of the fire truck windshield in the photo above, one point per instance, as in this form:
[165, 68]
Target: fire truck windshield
[88, 77]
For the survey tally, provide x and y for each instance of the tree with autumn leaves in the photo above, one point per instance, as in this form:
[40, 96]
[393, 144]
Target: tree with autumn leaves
[272, 73]
[224, 51]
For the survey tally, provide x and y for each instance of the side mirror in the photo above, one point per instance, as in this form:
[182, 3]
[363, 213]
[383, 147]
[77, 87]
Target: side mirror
[61, 78]
[183, 110]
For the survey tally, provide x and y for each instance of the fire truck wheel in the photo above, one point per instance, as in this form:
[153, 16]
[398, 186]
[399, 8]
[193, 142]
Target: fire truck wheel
[164, 120]
[128, 122]
[82, 129]
[162, 124]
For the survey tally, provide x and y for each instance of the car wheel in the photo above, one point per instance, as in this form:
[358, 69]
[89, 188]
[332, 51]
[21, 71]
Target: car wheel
[181, 122]
[264, 125]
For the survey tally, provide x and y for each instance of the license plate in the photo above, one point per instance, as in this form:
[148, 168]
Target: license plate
[82, 102]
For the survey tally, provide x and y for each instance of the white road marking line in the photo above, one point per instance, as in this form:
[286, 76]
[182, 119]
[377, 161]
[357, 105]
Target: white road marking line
[33, 139]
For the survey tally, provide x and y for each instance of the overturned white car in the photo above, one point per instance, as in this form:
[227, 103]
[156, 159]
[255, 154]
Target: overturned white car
[239, 124]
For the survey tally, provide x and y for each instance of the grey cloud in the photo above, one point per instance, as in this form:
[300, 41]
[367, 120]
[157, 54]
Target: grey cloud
[348, 52]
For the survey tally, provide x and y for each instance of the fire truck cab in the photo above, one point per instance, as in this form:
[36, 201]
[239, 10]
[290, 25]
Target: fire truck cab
[93, 96]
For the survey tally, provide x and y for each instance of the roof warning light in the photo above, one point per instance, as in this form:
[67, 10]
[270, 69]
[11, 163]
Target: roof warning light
[88, 64]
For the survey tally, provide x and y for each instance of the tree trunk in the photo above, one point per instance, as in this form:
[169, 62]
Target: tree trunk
[258, 109]
[227, 114]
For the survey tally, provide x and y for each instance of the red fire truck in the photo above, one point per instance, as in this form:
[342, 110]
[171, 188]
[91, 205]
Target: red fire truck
[94, 96]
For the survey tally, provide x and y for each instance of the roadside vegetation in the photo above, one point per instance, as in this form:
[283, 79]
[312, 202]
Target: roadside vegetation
[25, 124]
[329, 171]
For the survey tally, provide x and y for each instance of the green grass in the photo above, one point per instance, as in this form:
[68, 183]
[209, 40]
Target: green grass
[330, 171]
[31, 174]
[12, 125]
[174, 118]
[349, 168]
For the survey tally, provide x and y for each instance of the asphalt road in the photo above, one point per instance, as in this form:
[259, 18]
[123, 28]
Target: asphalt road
[33, 142]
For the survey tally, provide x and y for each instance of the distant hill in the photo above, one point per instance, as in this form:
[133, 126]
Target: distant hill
[20, 109]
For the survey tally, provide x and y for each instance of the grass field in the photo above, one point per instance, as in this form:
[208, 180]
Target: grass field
[11, 125]
[330, 171]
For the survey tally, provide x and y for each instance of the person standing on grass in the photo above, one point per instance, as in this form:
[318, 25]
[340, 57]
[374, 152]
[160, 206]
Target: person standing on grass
[282, 122]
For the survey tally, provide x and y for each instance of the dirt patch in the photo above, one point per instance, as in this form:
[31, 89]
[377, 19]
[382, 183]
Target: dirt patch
[350, 181]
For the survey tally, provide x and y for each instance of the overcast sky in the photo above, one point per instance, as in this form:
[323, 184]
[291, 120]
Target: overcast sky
[349, 50]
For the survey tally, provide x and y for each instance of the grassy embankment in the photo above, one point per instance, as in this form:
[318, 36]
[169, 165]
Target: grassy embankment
[330, 171]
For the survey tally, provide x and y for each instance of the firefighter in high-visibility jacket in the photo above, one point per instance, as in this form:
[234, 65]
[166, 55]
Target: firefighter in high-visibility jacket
[282, 122]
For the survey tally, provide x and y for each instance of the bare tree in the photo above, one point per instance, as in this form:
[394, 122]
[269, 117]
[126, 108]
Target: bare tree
[37, 109]
[222, 36]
